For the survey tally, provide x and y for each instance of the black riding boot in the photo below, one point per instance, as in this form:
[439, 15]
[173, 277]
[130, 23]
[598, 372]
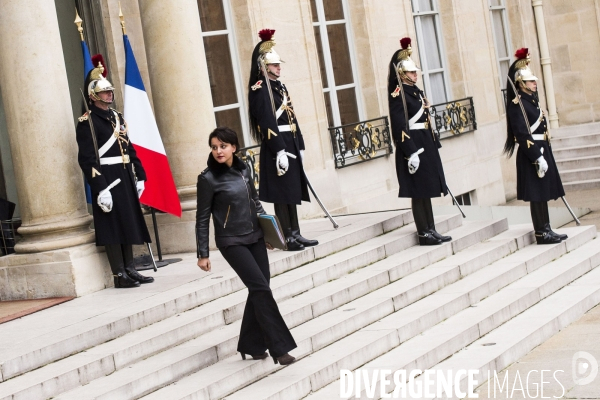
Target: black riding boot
[127, 250]
[558, 235]
[296, 228]
[283, 214]
[419, 210]
[117, 266]
[541, 223]
[431, 222]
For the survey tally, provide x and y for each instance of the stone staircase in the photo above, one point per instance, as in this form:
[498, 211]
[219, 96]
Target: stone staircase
[368, 296]
[577, 154]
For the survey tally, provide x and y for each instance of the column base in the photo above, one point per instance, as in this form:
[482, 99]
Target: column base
[68, 272]
[56, 235]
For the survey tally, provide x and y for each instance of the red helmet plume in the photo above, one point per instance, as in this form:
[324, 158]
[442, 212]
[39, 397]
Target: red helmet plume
[98, 58]
[405, 42]
[266, 34]
[521, 53]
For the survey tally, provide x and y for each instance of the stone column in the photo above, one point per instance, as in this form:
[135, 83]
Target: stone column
[180, 88]
[183, 106]
[40, 125]
[540, 26]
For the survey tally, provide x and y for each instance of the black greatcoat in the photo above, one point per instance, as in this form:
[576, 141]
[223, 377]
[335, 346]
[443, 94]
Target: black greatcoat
[529, 186]
[429, 180]
[124, 224]
[290, 188]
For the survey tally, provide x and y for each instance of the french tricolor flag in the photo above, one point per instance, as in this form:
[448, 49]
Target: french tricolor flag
[160, 191]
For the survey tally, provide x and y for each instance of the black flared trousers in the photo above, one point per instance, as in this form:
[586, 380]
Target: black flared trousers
[263, 327]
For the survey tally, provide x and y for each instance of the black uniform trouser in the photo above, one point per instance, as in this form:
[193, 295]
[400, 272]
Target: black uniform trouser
[288, 217]
[119, 256]
[263, 326]
[540, 216]
[423, 214]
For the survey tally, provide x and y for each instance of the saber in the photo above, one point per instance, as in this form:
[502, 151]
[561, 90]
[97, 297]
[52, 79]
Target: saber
[571, 211]
[455, 202]
[152, 256]
[335, 225]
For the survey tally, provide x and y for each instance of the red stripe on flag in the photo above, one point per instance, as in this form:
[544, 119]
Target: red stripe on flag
[160, 191]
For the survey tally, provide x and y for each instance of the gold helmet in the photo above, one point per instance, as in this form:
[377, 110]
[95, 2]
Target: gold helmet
[522, 71]
[405, 63]
[268, 55]
[97, 79]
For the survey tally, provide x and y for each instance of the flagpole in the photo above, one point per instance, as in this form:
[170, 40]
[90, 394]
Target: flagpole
[160, 263]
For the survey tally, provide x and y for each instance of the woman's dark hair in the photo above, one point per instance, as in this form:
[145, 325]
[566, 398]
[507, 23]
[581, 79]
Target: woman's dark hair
[225, 135]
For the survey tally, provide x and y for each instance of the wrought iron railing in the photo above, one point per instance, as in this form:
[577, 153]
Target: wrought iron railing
[453, 118]
[250, 156]
[360, 142]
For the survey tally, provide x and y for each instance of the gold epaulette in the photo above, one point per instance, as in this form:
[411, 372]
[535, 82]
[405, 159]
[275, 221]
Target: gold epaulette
[84, 117]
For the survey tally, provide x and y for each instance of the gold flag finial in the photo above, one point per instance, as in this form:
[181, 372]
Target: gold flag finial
[122, 18]
[79, 22]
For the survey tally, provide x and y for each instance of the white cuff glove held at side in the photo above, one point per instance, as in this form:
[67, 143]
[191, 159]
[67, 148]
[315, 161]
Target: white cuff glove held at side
[413, 163]
[542, 166]
[105, 201]
[281, 162]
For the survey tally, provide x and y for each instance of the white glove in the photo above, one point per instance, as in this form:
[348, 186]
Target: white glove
[282, 163]
[542, 166]
[140, 188]
[413, 163]
[302, 155]
[105, 201]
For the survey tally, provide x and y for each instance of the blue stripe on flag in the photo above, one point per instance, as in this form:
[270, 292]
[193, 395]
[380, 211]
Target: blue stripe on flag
[87, 67]
[132, 72]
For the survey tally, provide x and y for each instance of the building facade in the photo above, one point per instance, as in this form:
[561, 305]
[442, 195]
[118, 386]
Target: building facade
[194, 57]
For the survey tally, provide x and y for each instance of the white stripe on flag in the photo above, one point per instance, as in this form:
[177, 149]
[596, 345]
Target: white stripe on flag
[140, 120]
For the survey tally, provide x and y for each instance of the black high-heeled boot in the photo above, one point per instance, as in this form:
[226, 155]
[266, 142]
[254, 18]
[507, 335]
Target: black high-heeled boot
[127, 250]
[258, 357]
[426, 238]
[285, 359]
[117, 266]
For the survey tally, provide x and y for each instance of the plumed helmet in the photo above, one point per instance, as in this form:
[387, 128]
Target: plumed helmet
[405, 63]
[266, 47]
[97, 81]
[522, 70]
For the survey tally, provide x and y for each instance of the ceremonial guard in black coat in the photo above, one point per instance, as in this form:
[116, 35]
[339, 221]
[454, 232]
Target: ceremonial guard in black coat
[418, 163]
[538, 179]
[274, 125]
[116, 177]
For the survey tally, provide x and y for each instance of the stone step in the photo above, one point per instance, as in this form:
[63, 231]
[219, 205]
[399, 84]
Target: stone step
[574, 130]
[576, 152]
[575, 141]
[578, 163]
[469, 325]
[171, 365]
[99, 318]
[383, 337]
[583, 174]
[382, 302]
[528, 330]
[581, 185]
[165, 334]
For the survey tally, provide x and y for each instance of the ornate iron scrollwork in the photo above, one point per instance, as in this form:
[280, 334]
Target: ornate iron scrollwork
[356, 143]
[453, 118]
[250, 156]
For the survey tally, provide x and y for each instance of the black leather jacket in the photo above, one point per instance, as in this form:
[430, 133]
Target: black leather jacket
[229, 194]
